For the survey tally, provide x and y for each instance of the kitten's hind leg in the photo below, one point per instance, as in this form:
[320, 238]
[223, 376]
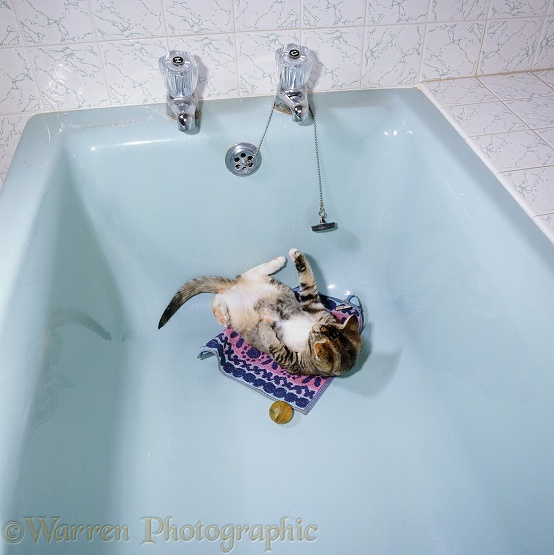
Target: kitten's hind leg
[221, 313]
[267, 268]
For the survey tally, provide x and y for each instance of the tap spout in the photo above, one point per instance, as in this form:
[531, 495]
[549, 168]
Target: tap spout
[184, 110]
[296, 102]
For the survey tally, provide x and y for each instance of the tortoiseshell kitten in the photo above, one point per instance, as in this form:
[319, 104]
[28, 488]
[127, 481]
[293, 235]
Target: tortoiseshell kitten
[301, 335]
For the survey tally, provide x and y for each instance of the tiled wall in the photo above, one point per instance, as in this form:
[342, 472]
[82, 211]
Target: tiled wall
[58, 55]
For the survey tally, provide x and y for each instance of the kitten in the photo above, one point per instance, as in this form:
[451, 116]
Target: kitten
[300, 335]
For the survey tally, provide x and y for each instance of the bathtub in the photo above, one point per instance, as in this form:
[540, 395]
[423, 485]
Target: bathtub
[116, 438]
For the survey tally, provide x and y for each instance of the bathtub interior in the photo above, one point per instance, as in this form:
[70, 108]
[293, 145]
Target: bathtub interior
[438, 440]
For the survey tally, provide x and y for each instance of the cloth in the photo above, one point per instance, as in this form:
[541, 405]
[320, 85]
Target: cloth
[257, 370]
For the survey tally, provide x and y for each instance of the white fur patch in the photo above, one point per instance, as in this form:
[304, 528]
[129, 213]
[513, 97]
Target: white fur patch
[296, 331]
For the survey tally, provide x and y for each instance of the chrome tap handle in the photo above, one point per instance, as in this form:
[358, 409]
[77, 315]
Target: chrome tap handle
[180, 73]
[294, 65]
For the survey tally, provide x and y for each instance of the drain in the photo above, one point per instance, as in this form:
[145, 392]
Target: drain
[243, 159]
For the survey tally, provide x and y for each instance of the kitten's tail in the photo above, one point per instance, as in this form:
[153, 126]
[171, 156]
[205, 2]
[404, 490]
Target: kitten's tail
[206, 284]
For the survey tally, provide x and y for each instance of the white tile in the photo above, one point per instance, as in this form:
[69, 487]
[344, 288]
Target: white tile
[392, 55]
[439, 10]
[329, 14]
[257, 70]
[217, 63]
[547, 76]
[544, 57]
[208, 16]
[70, 77]
[534, 188]
[338, 54]
[260, 15]
[52, 21]
[536, 112]
[547, 135]
[9, 33]
[132, 70]
[451, 49]
[516, 86]
[381, 12]
[117, 19]
[486, 117]
[509, 45]
[517, 8]
[18, 91]
[458, 91]
[515, 150]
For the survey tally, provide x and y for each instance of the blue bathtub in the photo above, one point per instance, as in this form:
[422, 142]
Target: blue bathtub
[115, 438]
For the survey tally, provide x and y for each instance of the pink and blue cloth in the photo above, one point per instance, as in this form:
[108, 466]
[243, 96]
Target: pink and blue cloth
[257, 370]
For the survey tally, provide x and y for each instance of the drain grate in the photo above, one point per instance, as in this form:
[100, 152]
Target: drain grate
[243, 159]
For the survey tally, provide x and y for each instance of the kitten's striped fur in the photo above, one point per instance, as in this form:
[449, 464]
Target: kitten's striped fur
[301, 335]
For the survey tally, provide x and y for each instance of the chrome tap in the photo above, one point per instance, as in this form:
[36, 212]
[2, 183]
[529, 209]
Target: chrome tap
[180, 73]
[294, 65]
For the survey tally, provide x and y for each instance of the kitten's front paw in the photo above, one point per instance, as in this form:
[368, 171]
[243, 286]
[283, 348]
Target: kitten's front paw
[298, 258]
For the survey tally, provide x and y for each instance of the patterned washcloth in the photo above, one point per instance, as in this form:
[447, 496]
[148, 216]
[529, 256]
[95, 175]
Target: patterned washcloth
[238, 360]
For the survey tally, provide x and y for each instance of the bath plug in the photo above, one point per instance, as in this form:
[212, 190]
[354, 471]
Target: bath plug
[281, 412]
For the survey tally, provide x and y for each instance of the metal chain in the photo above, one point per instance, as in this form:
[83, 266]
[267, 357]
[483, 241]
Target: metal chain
[322, 213]
[266, 127]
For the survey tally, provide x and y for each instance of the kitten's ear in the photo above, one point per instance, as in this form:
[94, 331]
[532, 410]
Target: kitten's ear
[351, 325]
[321, 350]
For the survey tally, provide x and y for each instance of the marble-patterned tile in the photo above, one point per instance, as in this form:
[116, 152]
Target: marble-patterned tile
[439, 10]
[132, 70]
[509, 45]
[18, 91]
[70, 77]
[9, 33]
[458, 91]
[118, 19]
[262, 15]
[217, 63]
[392, 55]
[516, 86]
[382, 12]
[52, 22]
[544, 57]
[257, 69]
[546, 135]
[189, 18]
[338, 54]
[534, 188]
[486, 117]
[547, 76]
[501, 9]
[537, 112]
[451, 49]
[333, 13]
[515, 150]
[11, 128]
